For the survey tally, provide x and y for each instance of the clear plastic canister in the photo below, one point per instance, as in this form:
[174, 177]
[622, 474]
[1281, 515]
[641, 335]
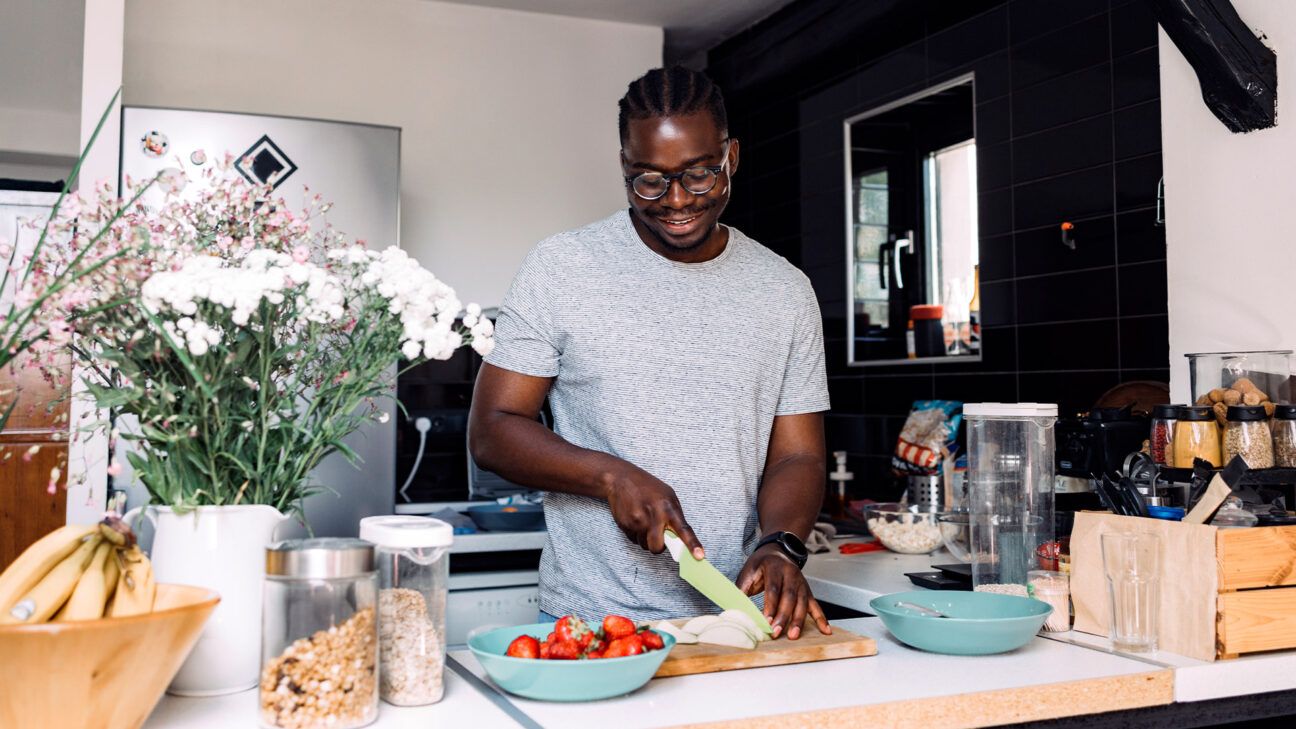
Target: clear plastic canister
[1010, 490]
[319, 635]
[1240, 378]
[413, 569]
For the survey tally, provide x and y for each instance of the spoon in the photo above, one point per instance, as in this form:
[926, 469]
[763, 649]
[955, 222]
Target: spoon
[929, 612]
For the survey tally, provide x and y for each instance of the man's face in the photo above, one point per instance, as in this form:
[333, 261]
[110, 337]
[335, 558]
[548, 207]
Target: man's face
[680, 220]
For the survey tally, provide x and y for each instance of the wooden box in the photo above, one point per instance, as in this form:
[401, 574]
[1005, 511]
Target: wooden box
[1224, 592]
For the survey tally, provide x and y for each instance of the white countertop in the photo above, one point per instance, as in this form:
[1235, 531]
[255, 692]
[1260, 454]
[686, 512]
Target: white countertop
[896, 673]
[852, 580]
[462, 705]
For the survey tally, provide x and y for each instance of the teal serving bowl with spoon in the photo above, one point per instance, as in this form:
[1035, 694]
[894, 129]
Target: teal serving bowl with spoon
[961, 623]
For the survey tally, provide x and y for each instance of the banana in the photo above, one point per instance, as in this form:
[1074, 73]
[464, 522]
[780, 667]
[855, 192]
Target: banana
[41, 602]
[37, 560]
[135, 586]
[87, 601]
[111, 570]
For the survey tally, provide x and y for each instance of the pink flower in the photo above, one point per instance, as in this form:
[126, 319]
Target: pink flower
[114, 469]
[301, 254]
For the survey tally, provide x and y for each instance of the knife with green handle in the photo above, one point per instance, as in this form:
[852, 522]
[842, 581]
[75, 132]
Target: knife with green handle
[712, 583]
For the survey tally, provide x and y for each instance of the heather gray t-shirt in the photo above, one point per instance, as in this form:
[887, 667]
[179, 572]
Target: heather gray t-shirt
[677, 368]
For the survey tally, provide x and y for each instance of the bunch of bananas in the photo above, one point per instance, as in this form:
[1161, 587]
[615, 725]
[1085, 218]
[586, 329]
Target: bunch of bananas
[78, 572]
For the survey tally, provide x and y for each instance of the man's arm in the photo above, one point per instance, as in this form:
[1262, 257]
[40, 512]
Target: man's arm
[791, 495]
[504, 437]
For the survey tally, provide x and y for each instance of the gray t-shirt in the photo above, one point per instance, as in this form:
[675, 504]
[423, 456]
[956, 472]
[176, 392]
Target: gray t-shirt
[677, 368]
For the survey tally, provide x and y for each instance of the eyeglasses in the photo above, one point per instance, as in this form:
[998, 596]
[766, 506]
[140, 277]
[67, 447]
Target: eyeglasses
[696, 180]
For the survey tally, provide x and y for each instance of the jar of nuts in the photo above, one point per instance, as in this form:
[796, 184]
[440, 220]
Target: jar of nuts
[1284, 435]
[1247, 435]
[319, 635]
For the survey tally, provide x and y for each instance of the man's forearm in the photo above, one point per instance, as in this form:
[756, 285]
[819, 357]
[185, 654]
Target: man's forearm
[529, 454]
[791, 495]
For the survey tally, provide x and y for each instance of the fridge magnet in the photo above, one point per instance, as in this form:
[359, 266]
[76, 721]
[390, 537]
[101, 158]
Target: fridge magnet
[154, 144]
[265, 164]
[198, 157]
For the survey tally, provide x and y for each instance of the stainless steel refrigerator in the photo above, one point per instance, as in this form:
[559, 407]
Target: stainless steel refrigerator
[357, 168]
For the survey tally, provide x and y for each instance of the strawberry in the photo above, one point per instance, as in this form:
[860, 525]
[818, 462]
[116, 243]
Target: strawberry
[565, 650]
[524, 646]
[545, 647]
[652, 641]
[597, 645]
[615, 626]
[570, 627]
[630, 645]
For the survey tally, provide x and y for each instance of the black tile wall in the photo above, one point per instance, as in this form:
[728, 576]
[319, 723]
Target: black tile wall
[1068, 129]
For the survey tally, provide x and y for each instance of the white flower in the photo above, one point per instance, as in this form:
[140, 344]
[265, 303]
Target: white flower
[383, 417]
[473, 310]
[411, 349]
[483, 346]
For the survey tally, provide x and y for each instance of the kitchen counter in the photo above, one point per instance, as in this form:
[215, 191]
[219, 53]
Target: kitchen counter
[852, 580]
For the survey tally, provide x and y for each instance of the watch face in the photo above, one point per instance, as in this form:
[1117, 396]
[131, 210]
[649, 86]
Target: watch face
[794, 545]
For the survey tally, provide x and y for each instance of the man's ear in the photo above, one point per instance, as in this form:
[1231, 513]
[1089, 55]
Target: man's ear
[733, 156]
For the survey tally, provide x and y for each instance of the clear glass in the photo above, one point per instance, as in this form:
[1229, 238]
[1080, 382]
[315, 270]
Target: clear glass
[1218, 372]
[1010, 495]
[411, 610]
[1132, 564]
[1054, 588]
[319, 652]
[904, 529]
[1251, 440]
[1161, 441]
[1284, 440]
[1196, 439]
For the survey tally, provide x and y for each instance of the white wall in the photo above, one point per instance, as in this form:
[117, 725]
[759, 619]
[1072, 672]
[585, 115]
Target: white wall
[508, 117]
[40, 87]
[1231, 249]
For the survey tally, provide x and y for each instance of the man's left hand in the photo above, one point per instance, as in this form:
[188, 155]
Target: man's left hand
[787, 596]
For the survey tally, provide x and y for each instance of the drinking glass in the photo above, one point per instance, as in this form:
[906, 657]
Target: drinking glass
[1132, 563]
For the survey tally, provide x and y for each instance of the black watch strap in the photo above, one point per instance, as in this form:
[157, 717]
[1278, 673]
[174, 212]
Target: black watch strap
[781, 539]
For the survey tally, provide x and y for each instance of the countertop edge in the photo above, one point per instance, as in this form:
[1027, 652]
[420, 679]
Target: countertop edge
[986, 708]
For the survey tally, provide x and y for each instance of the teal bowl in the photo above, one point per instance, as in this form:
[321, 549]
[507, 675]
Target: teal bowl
[979, 623]
[562, 680]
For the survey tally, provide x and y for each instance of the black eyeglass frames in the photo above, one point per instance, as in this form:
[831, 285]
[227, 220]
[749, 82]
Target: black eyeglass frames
[697, 180]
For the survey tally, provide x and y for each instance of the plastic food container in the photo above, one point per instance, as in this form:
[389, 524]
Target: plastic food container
[319, 635]
[1218, 372]
[1196, 435]
[1284, 436]
[413, 574]
[1010, 492]
[1247, 435]
[929, 333]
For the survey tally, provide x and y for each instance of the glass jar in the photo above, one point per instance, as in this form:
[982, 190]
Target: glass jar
[1247, 435]
[1010, 490]
[413, 571]
[1240, 378]
[319, 635]
[1284, 436]
[1196, 435]
[1161, 438]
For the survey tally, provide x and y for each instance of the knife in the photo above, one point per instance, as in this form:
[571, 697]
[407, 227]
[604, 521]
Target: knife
[712, 583]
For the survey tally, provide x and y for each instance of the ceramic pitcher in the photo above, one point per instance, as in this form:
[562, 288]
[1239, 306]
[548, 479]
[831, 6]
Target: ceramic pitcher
[222, 548]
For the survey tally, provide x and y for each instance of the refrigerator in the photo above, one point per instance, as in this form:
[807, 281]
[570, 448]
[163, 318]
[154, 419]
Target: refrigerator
[357, 168]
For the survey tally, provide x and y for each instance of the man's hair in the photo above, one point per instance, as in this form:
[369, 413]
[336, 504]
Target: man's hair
[671, 91]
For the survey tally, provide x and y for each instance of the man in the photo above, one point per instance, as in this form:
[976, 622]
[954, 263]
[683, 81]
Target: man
[684, 366]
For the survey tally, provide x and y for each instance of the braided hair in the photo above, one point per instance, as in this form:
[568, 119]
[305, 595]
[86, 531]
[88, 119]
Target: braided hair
[671, 91]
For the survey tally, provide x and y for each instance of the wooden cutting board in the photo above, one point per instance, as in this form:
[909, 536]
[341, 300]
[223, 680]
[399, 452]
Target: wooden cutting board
[812, 646]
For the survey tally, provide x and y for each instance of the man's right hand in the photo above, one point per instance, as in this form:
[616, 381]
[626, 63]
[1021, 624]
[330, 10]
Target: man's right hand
[644, 507]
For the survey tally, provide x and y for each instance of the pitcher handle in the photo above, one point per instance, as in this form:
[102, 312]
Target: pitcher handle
[139, 511]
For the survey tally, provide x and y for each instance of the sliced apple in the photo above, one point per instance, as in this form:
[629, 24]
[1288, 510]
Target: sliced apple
[727, 634]
[740, 618]
[682, 636]
[701, 623]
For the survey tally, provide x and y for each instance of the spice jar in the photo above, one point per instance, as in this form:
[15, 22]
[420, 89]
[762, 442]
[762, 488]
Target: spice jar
[319, 635]
[1247, 435]
[1284, 436]
[1162, 436]
[1196, 435]
[413, 571]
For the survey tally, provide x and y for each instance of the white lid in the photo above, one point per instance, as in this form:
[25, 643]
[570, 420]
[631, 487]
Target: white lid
[406, 532]
[1010, 410]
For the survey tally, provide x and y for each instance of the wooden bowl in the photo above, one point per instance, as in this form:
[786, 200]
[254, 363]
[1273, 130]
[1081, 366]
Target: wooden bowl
[99, 673]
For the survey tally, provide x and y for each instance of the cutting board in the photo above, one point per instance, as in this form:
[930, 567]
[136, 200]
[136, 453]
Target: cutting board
[812, 646]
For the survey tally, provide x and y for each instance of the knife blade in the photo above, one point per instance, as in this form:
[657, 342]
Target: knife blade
[712, 583]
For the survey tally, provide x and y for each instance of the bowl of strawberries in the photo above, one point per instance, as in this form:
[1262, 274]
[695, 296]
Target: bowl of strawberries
[572, 660]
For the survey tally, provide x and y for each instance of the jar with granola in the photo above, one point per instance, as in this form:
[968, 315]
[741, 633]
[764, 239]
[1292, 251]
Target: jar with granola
[319, 635]
[1284, 435]
[413, 576]
[1247, 434]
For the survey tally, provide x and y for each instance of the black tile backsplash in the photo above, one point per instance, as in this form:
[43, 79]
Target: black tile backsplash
[1068, 129]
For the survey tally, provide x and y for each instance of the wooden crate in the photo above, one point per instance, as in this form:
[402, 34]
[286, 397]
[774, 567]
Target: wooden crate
[1224, 592]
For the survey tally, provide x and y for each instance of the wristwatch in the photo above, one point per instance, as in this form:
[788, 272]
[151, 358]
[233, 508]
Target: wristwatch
[791, 544]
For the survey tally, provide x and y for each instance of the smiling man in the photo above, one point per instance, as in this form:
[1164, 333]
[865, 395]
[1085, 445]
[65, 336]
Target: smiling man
[684, 366]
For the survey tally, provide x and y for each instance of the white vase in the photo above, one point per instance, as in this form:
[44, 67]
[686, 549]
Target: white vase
[222, 548]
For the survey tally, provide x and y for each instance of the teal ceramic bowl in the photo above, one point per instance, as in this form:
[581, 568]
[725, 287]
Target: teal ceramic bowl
[979, 623]
[562, 680]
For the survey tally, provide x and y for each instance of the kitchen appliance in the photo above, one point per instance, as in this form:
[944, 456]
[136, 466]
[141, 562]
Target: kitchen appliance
[494, 582]
[356, 167]
[1098, 442]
